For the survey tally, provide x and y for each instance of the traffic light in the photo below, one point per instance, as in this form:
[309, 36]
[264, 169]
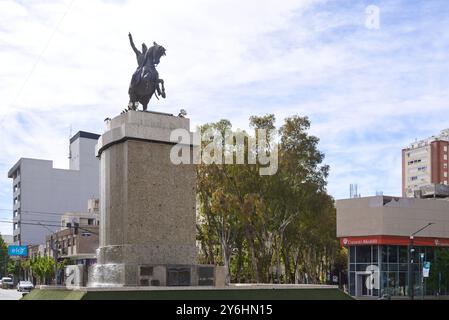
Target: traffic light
[76, 226]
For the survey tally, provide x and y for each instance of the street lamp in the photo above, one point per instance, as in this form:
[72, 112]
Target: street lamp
[411, 251]
[422, 275]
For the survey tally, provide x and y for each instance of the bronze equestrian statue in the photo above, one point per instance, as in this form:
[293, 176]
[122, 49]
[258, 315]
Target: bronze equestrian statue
[145, 81]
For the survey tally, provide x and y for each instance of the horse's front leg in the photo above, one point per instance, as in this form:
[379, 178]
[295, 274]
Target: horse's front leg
[162, 94]
[144, 101]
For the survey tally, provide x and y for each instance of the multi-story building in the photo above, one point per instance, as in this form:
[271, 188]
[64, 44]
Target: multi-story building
[41, 193]
[89, 218]
[76, 242]
[424, 163]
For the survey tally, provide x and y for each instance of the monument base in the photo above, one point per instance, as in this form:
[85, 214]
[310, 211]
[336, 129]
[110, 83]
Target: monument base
[134, 275]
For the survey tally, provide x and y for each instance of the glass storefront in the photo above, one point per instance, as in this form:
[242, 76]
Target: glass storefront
[376, 270]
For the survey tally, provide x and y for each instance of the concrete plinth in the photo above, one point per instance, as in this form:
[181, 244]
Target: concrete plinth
[147, 203]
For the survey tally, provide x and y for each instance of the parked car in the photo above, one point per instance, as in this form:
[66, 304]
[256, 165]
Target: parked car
[0, 283]
[24, 286]
[7, 283]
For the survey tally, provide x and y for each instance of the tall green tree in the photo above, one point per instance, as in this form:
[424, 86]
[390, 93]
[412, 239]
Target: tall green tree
[272, 228]
[3, 257]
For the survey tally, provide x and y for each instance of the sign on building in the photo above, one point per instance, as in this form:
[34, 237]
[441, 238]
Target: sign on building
[426, 269]
[18, 251]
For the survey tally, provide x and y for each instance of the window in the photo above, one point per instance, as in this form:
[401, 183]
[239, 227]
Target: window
[445, 148]
[445, 157]
[445, 165]
[445, 174]
[392, 254]
[90, 222]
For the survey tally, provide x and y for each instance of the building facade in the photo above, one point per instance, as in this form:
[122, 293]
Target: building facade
[383, 256]
[41, 193]
[424, 163]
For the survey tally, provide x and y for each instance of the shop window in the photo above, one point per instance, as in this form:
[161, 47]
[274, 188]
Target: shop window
[402, 285]
[352, 283]
[375, 254]
[393, 254]
[363, 254]
[384, 254]
[352, 254]
[403, 254]
[361, 266]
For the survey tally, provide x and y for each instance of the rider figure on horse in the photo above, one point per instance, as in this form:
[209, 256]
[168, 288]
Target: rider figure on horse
[146, 77]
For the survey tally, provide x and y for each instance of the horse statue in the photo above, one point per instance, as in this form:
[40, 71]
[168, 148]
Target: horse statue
[145, 81]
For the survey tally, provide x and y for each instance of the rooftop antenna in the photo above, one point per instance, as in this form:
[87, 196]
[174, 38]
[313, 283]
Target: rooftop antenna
[353, 191]
[70, 136]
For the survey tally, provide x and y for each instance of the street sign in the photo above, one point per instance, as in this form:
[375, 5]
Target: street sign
[426, 269]
[18, 251]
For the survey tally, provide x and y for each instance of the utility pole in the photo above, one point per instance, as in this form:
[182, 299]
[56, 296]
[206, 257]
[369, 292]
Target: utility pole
[55, 257]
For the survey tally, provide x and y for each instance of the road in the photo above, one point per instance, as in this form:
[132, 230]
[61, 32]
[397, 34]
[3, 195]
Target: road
[10, 294]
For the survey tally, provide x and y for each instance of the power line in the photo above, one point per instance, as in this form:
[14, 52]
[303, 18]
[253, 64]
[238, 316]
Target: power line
[36, 212]
[47, 44]
[48, 225]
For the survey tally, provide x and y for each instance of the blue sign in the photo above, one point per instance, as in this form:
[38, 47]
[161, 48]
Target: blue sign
[20, 251]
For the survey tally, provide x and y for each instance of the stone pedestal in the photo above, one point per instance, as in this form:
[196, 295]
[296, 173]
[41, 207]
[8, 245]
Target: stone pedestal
[147, 204]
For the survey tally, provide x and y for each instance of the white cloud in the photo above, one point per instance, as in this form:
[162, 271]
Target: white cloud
[229, 59]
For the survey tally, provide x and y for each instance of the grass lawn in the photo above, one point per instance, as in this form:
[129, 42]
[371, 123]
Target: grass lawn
[223, 294]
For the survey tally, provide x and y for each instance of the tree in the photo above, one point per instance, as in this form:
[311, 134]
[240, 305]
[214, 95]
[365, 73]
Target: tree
[256, 225]
[438, 280]
[3, 257]
[43, 269]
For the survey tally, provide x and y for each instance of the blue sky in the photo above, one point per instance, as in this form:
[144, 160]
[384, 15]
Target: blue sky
[368, 92]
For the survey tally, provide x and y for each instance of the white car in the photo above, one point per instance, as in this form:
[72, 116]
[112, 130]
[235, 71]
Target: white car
[24, 286]
[7, 283]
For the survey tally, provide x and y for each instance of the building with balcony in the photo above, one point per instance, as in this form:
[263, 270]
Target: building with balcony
[425, 162]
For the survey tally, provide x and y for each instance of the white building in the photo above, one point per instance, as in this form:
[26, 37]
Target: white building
[41, 193]
[83, 219]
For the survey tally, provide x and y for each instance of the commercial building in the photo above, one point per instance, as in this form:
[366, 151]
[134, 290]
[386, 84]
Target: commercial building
[425, 162]
[41, 193]
[386, 249]
[77, 239]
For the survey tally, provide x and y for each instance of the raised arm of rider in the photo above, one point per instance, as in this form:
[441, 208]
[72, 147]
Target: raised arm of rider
[132, 45]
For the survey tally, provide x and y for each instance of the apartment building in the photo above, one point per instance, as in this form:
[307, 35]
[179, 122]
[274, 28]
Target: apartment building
[42, 194]
[425, 163]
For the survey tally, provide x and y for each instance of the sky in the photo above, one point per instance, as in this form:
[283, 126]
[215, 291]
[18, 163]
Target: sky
[369, 91]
